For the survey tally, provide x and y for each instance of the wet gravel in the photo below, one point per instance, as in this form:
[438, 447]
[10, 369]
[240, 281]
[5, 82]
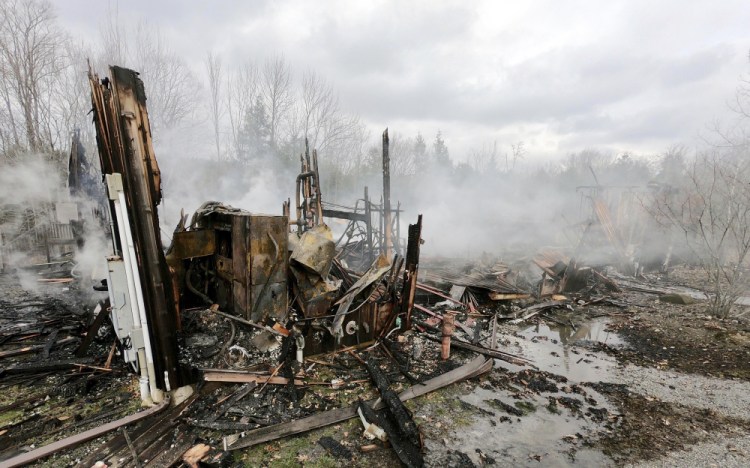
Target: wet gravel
[727, 397]
[725, 453]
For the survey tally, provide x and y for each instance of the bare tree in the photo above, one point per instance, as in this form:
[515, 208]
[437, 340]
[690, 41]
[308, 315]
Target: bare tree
[276, 89]
[712, 211]
[9, 132]
[484, 159]
[171, 85]
[321, 119]
[319, 106]
[241, 89]
[403, 160]
[114, 38]
[216, 104]
[31, 60]
[518, 153]
[71, 98]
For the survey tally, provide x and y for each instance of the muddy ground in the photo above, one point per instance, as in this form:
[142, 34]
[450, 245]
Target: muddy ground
[639, 384]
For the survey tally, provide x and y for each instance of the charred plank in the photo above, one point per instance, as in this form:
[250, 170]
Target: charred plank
[406, 451]
[397, 410]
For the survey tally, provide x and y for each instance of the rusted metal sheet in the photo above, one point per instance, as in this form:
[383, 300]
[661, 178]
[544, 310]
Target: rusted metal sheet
[316, 294]
[378, 271]
[310, 264]
[268, 300]
[260, 257]
[224, 267]
[191, 244]
[315, 250]
[249, 258]
[267, 250]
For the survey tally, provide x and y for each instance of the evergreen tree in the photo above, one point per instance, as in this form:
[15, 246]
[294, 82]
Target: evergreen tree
[255, 135]
[440, 151]
[421, 162]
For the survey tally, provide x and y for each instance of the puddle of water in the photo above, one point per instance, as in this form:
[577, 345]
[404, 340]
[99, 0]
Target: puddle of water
[594, 330]
[551, 348]
[540, 433]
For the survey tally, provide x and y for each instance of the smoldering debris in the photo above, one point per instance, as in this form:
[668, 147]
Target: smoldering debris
[249, 328]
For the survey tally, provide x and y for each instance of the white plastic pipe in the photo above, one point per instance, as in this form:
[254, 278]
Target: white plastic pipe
[122, 229]
[156, 394]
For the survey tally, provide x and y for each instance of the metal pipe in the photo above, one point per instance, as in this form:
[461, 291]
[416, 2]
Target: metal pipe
[318, 193]
[370, 256]
[300, 211]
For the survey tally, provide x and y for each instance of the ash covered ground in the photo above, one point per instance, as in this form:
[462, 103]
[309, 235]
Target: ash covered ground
[643, 383]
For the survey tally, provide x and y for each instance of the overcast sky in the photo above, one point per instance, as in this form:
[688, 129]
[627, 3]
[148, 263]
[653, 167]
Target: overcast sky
[560, 76]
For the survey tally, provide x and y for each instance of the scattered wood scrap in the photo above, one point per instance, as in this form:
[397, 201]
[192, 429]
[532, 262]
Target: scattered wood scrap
[241, 377]
[531, 311]
[477, 366]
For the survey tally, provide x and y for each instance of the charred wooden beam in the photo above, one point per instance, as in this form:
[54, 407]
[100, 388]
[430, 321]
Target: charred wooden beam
[236, 377]
[123, 133]
[37, 348]
[234, 398]
[401, 417]
[412, 269]
[335, 448]
[101, 313]
[475, 367]
[407, 452]
[387, 248]
[456, 343]
[368, 228]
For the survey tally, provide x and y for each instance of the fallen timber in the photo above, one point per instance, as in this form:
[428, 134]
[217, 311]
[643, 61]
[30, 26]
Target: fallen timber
[396, 420]
[473, 368]
[493, 353]
[77, 439]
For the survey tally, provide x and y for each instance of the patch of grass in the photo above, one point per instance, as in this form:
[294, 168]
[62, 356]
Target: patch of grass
[322, 462]
[281, 454]
[9, 417]
[302, 450]
[526, 406]
[552, 407]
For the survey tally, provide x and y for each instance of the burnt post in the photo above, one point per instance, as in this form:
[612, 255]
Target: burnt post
[124, 141]
[318, 195]
[387, 248]
[368, 227]
[399, 248]
[449, 326]
[411, 271]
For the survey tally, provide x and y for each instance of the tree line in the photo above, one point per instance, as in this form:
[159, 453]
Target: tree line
[256, 112]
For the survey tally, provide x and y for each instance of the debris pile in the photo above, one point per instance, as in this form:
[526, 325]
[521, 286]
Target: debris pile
[249, 327]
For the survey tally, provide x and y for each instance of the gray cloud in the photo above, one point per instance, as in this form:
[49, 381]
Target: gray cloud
[624, 73]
